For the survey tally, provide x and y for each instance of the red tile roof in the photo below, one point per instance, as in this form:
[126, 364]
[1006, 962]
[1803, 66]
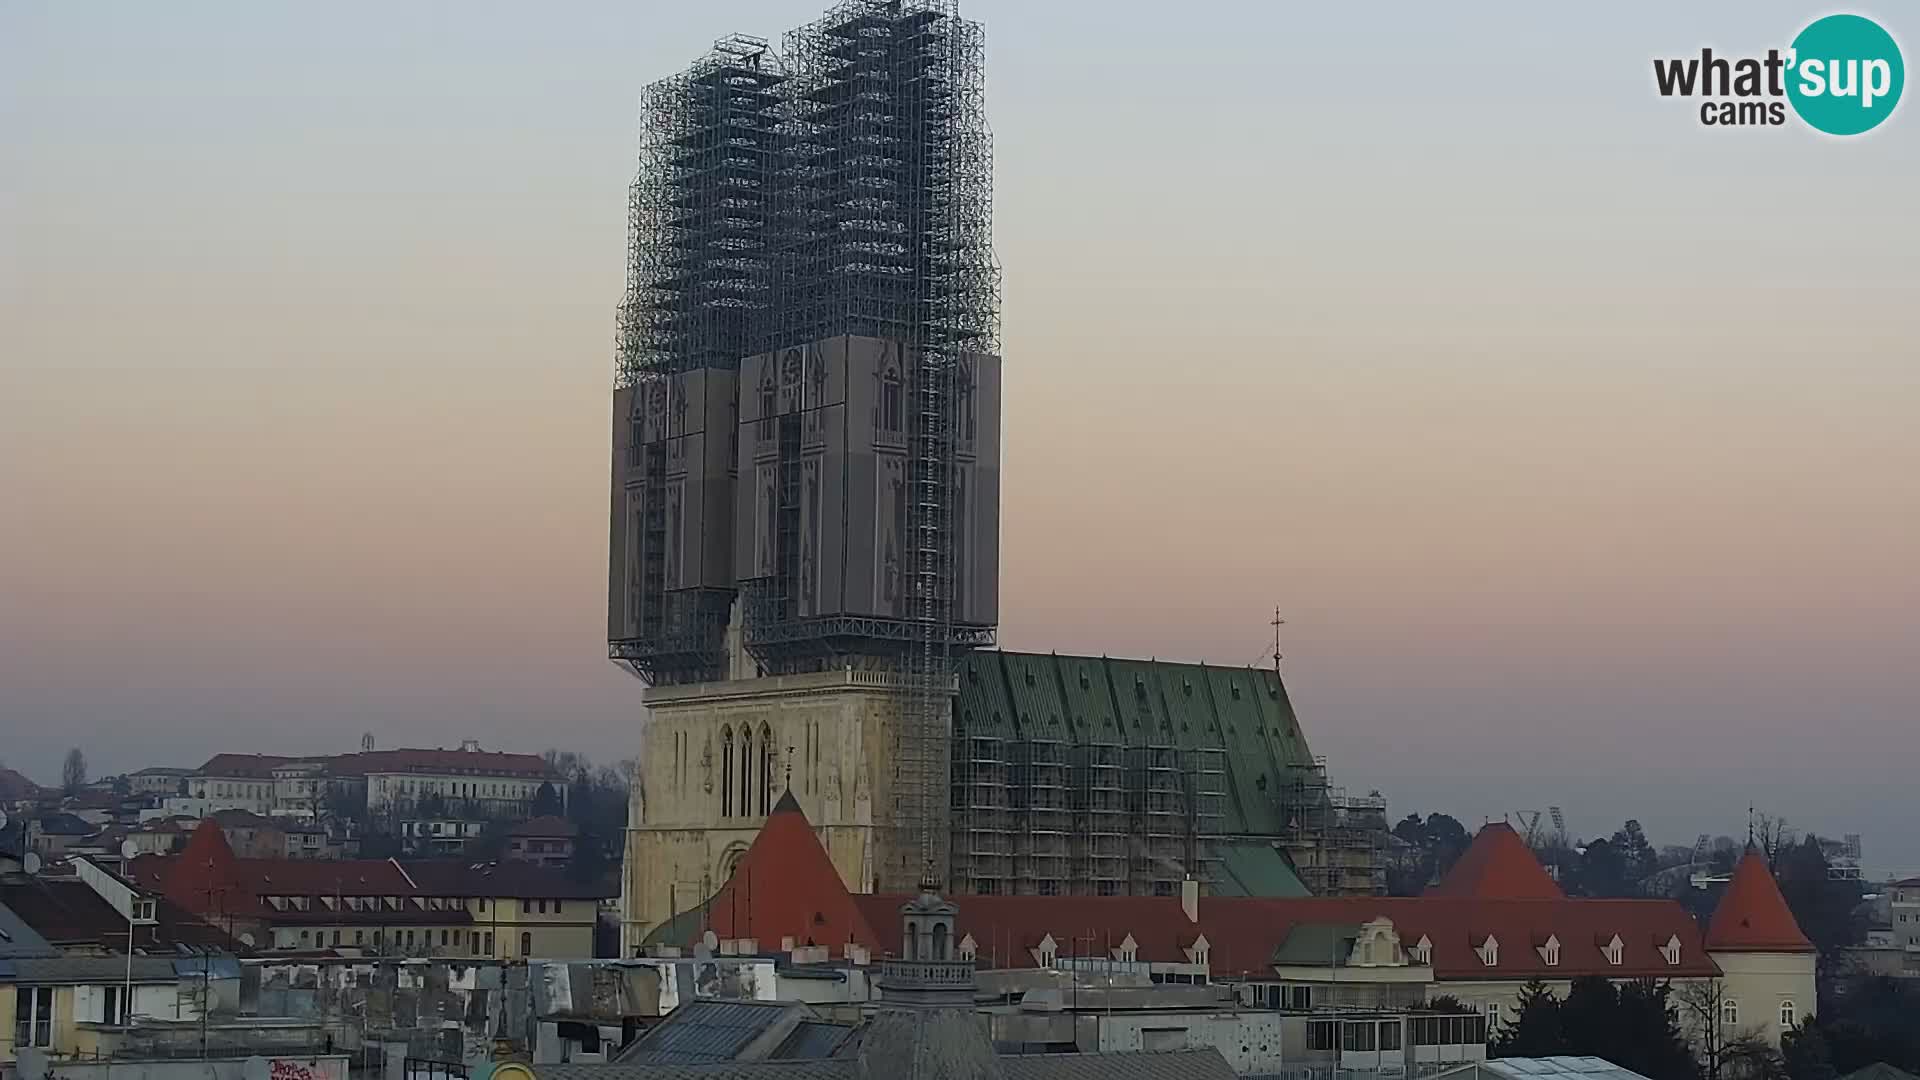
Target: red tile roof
[1498, 866]
[207, 877]
[479, 762]
[786, 886]
[546, 825]
[15, 787]
[1752, 916]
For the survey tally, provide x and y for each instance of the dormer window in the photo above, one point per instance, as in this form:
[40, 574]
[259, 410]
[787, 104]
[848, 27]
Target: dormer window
[1671, 951]
[1490, 952]
[1423, 950]
[1044, 953]
[969, 948]
[1615, 951]
[1550, 952]
[1197, 952]
[1127, 951]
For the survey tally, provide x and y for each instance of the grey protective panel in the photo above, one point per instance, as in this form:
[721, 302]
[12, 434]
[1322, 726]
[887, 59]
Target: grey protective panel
[851, 394]
[620, 621]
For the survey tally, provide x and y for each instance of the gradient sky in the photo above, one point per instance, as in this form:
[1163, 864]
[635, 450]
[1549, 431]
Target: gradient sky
[1578, 441]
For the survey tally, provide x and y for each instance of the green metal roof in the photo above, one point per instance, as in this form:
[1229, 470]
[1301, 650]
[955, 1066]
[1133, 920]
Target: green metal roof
[1317, 945]
[1255, 868]
[1091, 700]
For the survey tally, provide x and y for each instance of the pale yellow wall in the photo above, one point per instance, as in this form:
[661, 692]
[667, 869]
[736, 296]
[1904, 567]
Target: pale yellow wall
[7, 997]
[1760, 982]
[839, 726]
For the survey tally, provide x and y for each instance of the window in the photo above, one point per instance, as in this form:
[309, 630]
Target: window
[111, 1006]
[526, 907]
[359, 936]
[1323, 1034]
[526, 944]
[1550, 952]
[1671, 951]
[1358, 1035]
[445, 936]
[476, 943]
[1788, 1017]
[1493, 1014]
[1297, 998]
[1490, 952]
[33, 1016]
[746, 772]
[336, 937]
[1615, 951]
[726, 772]
[303, 939]
[556, 907]
[489, 947]
[543, 907]
[1730, 1013]
[1390, 1035]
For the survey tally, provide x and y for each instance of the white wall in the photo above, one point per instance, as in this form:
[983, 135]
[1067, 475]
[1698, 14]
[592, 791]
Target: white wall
[1250, 1041]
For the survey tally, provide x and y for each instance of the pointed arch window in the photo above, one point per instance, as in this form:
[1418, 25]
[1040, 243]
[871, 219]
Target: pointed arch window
[890, 409]
[766, 769]
[726, 772]
[746, 771]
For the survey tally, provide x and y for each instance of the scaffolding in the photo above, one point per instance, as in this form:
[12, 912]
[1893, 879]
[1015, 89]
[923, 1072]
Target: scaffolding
[1334, 839]
[1039, 817]
[885, 231]
[698, 286]
[1099, 852]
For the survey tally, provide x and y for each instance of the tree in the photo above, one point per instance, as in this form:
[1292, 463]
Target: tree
[1534, 1030]
[1432, 846]
[1804, 1053]
[1827, 908]
[546, 800]
[1631, 1025]
[1725, 1054]
[73, 771]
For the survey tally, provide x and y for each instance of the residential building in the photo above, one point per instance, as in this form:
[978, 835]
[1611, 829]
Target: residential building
[439, 836]
[250, 835]
[55, 833]
[1903, 915]
[1480, 935]
[469, 783]
[451, 908]
[544, 841]
[157, 781]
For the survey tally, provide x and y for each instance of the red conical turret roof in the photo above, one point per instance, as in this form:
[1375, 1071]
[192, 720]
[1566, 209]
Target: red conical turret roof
[1498, 866]
[786, 886]
[205, 863]
[1752, 915]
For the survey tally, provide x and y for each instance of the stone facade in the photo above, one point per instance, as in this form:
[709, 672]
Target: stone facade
[717, 756]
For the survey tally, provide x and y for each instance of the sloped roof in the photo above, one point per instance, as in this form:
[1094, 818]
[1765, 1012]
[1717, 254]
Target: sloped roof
[1880, 1070]
[786, 886]
[544, 826]
[1584, 1068]
[1498, 866]
[1752, 916]
[15, 787]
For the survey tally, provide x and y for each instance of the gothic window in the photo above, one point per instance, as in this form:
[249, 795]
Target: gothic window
[890, 400]
[766, 769]
[726, 772]
[746, 772]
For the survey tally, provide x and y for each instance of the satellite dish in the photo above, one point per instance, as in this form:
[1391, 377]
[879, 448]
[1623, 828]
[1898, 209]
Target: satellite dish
[128, 849]
[247, 939]
[710, 939]
[30, 862]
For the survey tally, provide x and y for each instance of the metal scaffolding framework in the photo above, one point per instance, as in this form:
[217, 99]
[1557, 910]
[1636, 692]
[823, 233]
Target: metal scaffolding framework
[1333, 838]
[1037, 817]
[885, 213]
[840, 187]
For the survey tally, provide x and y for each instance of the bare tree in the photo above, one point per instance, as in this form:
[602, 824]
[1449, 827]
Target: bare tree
[1727, 1051]
[1772, 834]
[73, 771]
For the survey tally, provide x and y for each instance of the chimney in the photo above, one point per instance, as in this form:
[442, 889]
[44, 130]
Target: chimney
[1190, 899]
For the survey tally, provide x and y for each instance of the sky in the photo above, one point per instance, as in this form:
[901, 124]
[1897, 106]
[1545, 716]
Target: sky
[1576, 440]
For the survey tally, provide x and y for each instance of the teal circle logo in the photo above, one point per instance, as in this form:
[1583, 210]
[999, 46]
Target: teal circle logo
[1845, 74]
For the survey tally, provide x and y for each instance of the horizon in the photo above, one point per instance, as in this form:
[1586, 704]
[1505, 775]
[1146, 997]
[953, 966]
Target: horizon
[1574, 440]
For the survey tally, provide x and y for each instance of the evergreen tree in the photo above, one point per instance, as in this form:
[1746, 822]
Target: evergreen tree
[1535, 1028]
